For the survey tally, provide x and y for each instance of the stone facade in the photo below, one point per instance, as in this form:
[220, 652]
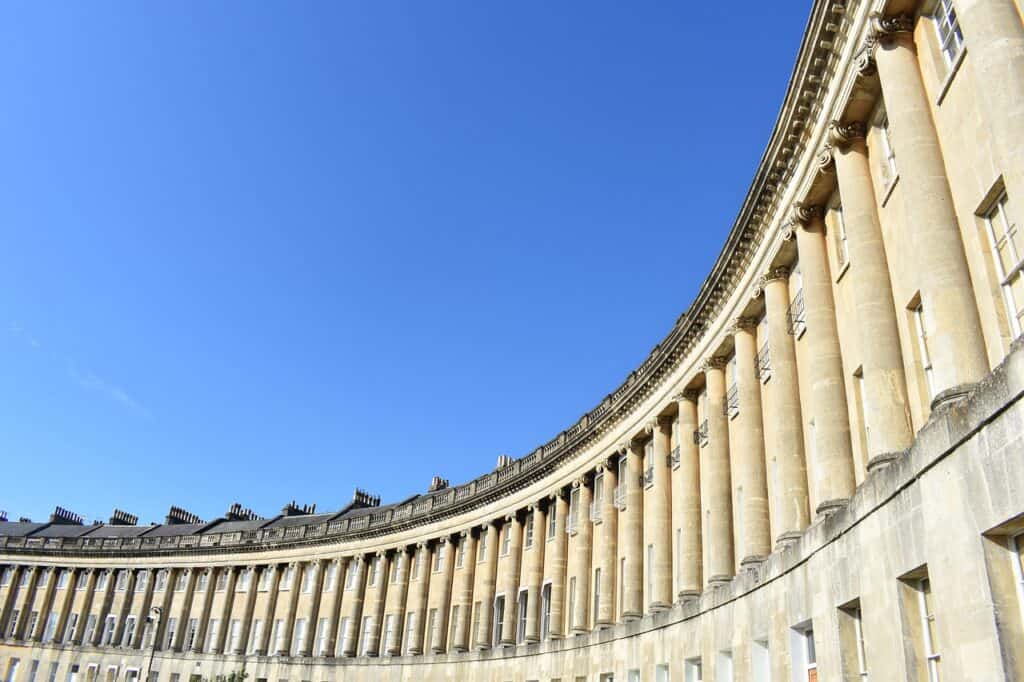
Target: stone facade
[817, 474]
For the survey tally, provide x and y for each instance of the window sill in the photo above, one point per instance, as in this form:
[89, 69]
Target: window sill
[954, 68]
[887, 194]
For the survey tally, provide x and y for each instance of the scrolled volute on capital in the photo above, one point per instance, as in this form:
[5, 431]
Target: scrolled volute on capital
[842, 135]
[805, 214]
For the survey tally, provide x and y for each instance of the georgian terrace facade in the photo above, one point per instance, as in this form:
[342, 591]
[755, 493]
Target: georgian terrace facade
[817, 473]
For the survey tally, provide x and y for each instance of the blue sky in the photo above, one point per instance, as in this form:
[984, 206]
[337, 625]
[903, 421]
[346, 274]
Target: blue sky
[259, 252]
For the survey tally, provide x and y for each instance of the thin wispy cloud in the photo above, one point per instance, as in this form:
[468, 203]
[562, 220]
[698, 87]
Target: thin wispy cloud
[85, 379]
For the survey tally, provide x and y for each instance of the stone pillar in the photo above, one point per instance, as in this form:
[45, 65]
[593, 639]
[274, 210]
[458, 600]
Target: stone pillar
[225, 610]
[632, 520]
[10, 600]
[290, 601]
[78, 637]
[204, 610]
[750, 485]
[142, 608]
[716, 486]
[534, 573]
[660, 533]
[268, 613]
[556, 562]
[581, 557]
[608, 559]
[952, 324]
[184, 610]
[834, 480]
[885, 406]
[442, 598]
[160, 629]
[67, 603]
[786, 449]
[418, 592]
[355, 611]
[994, 35]
[511, 574]
[375, 606]
[686, 499]
[397, 593]
[47, 604]
[23, 601]
[105, 603]
[313, 608]
[248, 610]
[126, 607]
[333, 605]
[488, 586]
[463, 590]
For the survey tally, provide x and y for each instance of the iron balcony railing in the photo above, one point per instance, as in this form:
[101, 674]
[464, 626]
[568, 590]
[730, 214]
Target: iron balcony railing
[649, 476]
[797, 315]
[620, 496]
[571, 524]
[595, 511]
[673, 458]
[732, 401]
[764, 363]
[700, 436]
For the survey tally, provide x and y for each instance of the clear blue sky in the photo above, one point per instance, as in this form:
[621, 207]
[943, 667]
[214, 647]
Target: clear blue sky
[262, 251]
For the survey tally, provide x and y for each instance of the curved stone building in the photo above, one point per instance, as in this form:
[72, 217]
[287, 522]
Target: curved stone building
[817, 475]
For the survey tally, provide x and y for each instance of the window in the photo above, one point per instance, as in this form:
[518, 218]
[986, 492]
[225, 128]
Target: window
[597, 592]
[723, 666]
[633, 676]
[44, 577]
[842, 241]
[222, 580]
[204, 580]
[476, 620]
[764, 353]
[499, 617]
[141, 581]
[83, 581]
[52, 676]
[598, 501]
[506, 538]
[182, 580]
[12, 626]
[33, 669]
[129, 631]
[51, 627]
[69, 629]
[661, 673]
[212, 630]
[552, 521]
[947, 26]
[109, 625]
[5, 576]
[101, 581]
[482, 551]
[461, 556]
[389, 628]
[760, 661]
[649, 566]
[161, 581]
[431, 628]
[394, 568]
[545, 611]
[331, 577]
[924, 356]
[234, 635]
[620, 489]
[571, 610]
[732, 396]
[805, 659]
[121, 582]
[924, 601]
[308, 574]
[190, 634]
[622, 584]
[439, 557]
[797, 310]
[1017, 551]
[852, 633]
[62, 580]
[172, 629]
[367, 629]
[350, 576]
[244, 580]
[343, 633]
[521, 617]
[889, 172]
[256, 638]
[693, 670]
[12, 669]
[278, 635]
[1008, 258]
[265, 577]
[90, 628]
[574, 512]
[286, 578]
[410, 628]
[529, 530]
[453, 623]
[298, 636]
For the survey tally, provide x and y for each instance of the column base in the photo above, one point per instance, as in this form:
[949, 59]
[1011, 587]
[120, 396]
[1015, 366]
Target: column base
[787, 539]
[829, 507]
[658, 606]
[752, 561]
[631, 615]
[602, 623]
[719, 580]
[506, 642]
[688, 596]
[303, 654]
[951, 396]
[879, 462]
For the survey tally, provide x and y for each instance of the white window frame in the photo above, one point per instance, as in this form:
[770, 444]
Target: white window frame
[932, 657]
[920, 317]
[947, 30]
[997, 212]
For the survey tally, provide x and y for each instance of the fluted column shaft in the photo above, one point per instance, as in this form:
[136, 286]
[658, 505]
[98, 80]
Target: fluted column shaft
[463, 590]
[686, 500]
[333, 606]
[556, 563]
[633, 532]
[581, 558]
[716, 486]
[750, 485]
[249, 609]
[788, 466]
[885, 407]
[534, 573]
[660, 516]
[994, 34]
[610, 538]
[834, 480]
[511, 586]
[951, 319]
[268, 613]
[418, 592]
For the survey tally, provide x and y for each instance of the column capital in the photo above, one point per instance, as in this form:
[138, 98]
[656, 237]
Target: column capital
[842, 135]
[883, 29]
[713, 362]
[741, 324]
[687, 394]
[806, 214]
[825, 161]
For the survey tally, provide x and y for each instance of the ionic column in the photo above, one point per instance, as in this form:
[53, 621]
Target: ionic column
[418, 593]
[885, 407]
[632, 523]
[463, 590]
[270, 608]
[142, 609]
[660, 533]
[952, 325]
[245, 627]
[313, 608]
[67, 604]
[533, 575]
[610, 538]
[556, 562]
[834, 480]
[750, 486]
[395, 605]
[225, 610]
[994, 35]
[441, 598]
[686, 499]
[10, 599]
[105, 603]
[581, 556]
[716, 486]
[126, 607]
[199, 644]
[375, 606]
[333, 606]
[782, 394]
[488, 586]
[354, 607]
[44, 607]
[512, 565]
